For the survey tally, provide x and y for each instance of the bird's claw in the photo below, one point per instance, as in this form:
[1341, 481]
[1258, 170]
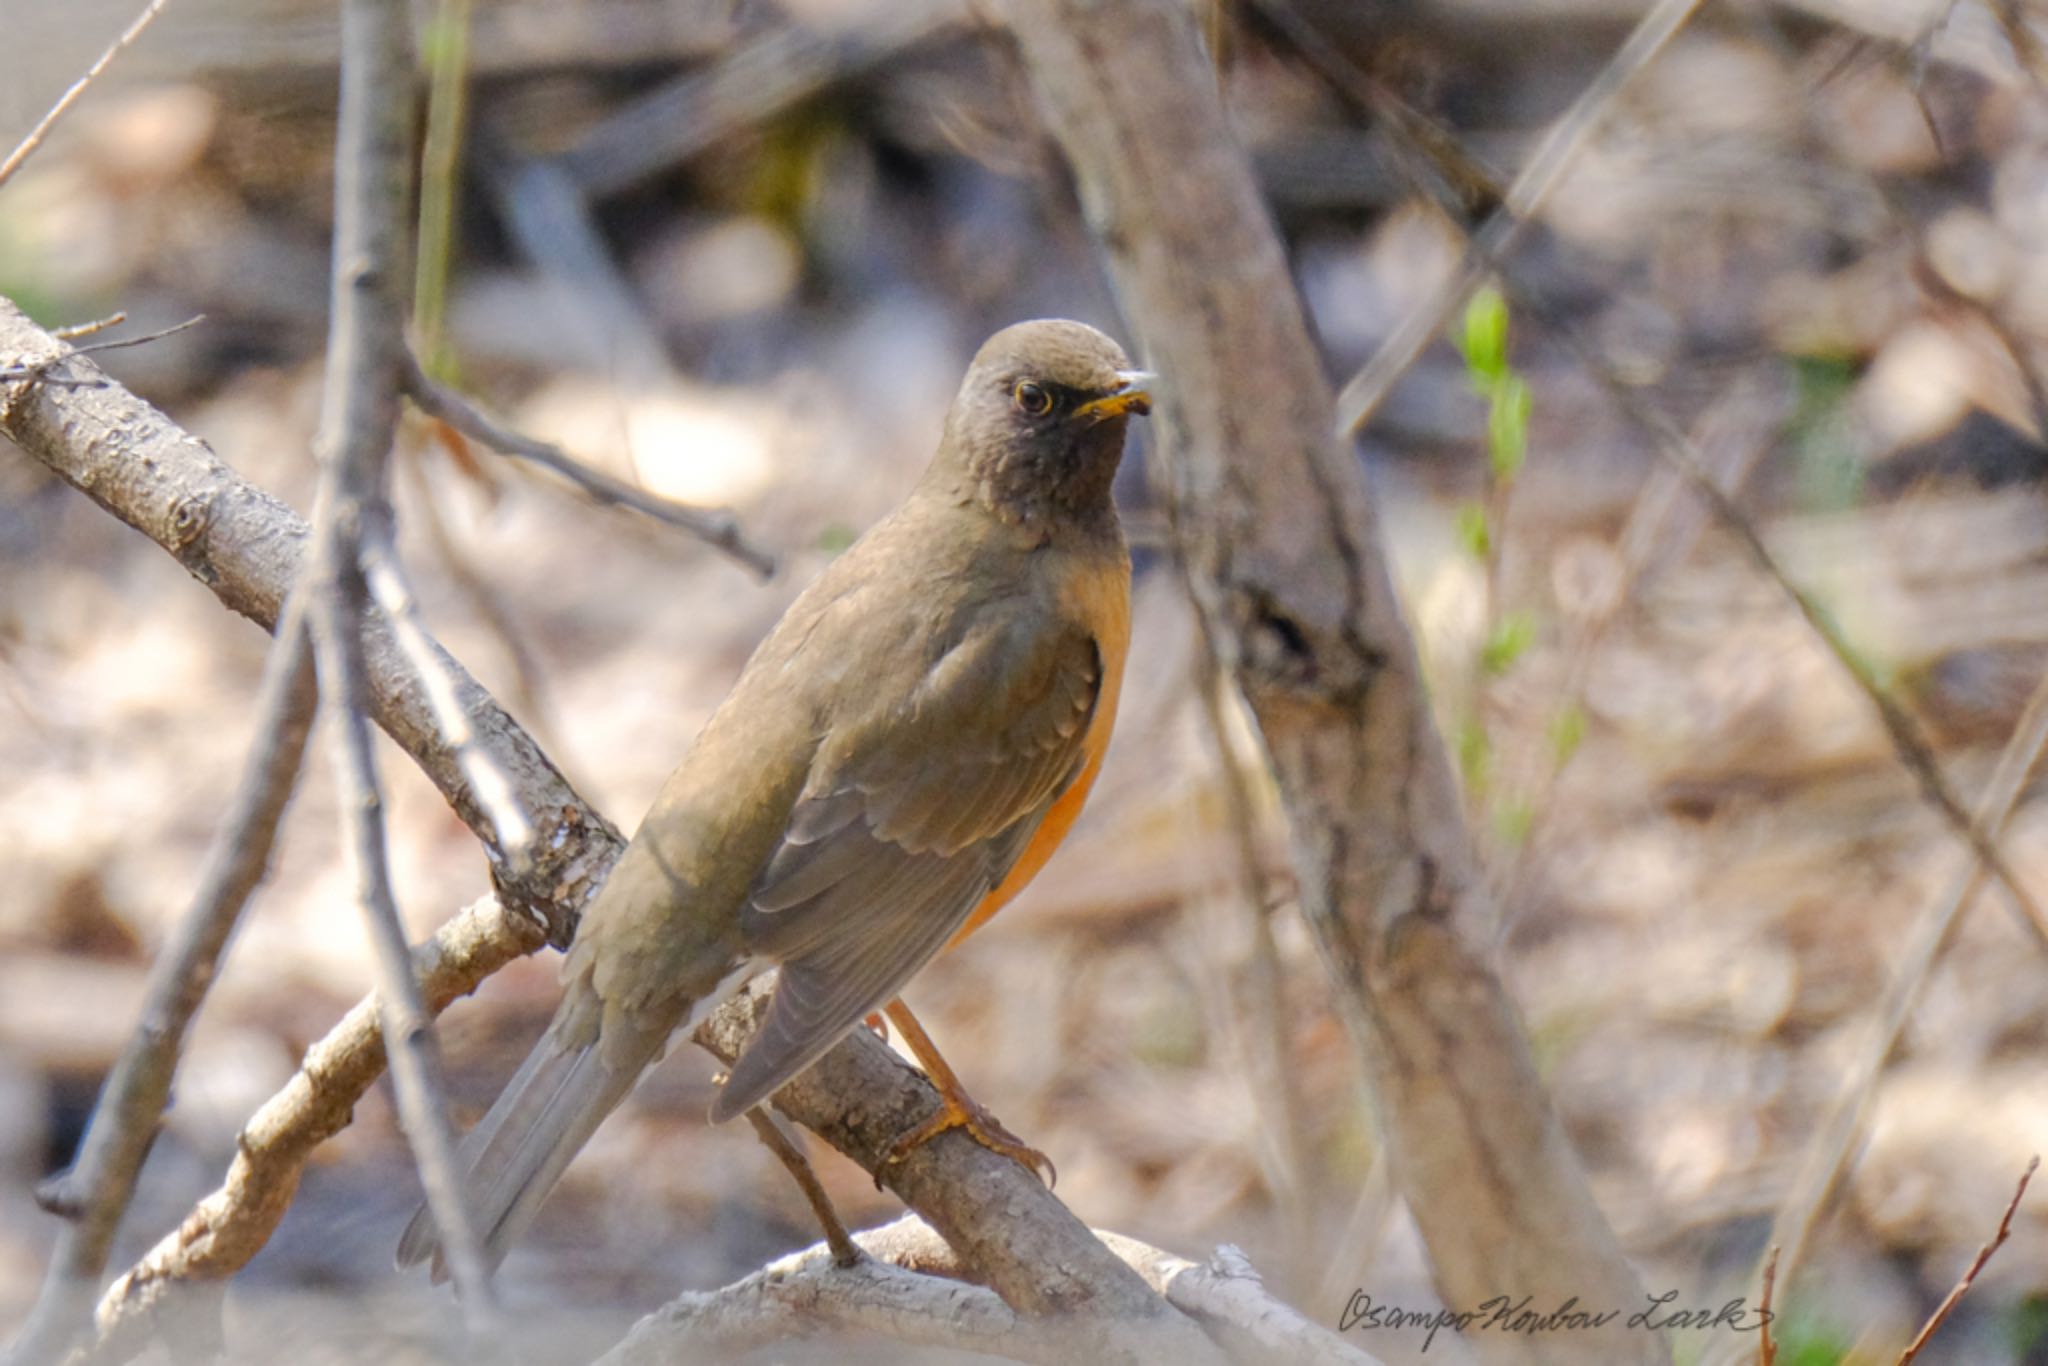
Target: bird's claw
[960, 1112]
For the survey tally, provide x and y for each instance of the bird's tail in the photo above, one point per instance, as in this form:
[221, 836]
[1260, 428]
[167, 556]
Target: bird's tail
[548, 1111]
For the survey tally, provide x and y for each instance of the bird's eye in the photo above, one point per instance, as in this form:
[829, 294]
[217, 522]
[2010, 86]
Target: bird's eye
[1032, 399]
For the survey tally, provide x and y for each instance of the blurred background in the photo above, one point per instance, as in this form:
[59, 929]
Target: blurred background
[740, 251]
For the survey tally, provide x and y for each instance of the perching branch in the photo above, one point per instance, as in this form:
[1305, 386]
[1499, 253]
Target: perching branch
[1280, 542]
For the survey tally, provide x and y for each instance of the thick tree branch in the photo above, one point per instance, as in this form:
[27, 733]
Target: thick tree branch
[248, 548]
[1284, 554]
[907, 1288]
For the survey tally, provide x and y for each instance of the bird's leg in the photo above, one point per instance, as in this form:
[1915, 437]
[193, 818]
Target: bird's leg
[957, 1110]
[845, 1252]
[879, 1025]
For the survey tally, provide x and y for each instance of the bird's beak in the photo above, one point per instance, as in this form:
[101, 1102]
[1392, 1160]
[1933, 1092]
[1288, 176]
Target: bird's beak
[1133, 394]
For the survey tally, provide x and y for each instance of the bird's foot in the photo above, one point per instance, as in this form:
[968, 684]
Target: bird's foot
[957, 1111]
[879, 1023]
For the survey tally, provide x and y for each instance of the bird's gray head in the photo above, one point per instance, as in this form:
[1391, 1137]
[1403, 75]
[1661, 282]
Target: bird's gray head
[1037, 428]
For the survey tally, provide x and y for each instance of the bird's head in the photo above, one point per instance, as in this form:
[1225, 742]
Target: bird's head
[1038, 425]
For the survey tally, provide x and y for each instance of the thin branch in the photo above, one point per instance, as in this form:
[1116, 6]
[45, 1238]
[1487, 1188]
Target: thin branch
[1253, 1008]
[1362, 396]
[746, 87]
[1983, 1258]
[1907, 741]
[1828, 1157]
[1766, 1344]
[513, 832]
[77, 330]
[717, 528]
[359, 421]
[94, 1194]
[40, 369]
[35, 137]
[1226, 1296]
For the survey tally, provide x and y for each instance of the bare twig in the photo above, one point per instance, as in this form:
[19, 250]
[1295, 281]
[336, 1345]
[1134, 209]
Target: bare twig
[745, 87]
[96, 1190]
[446, 39]
[1983, 1258]
[26, 148]
[1253, 1007]
[359, 421]
[717, 528]
[1766, 1344]
[1362, 396]
[77, 330]
[1226, 1296]
[1904, 733]
[844, 1252]
[513, 841]
[40, 369]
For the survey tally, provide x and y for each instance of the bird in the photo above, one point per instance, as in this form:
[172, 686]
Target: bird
[899, 756]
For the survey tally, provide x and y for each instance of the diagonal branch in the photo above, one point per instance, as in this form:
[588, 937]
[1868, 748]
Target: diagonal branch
[1363, 394]
[26, 148]
[248, 548]
[231, 1225]
[94, 1194]
[715, 527]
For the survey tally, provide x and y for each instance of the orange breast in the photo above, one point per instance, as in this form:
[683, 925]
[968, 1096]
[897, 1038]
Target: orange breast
[1102, 598]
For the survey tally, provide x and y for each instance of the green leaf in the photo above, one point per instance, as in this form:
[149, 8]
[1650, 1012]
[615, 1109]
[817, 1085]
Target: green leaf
[1473, 532]
[835, 538]
[1510, 638]
[1507, 426]
[1483, 337]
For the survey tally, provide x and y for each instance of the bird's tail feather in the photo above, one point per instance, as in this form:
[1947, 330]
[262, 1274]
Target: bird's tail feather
[514, 1156]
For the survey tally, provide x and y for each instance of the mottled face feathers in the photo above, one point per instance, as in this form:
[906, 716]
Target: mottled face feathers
[1037, 428]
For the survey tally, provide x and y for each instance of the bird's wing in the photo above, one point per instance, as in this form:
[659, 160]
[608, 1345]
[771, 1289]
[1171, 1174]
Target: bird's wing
[911, 816]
